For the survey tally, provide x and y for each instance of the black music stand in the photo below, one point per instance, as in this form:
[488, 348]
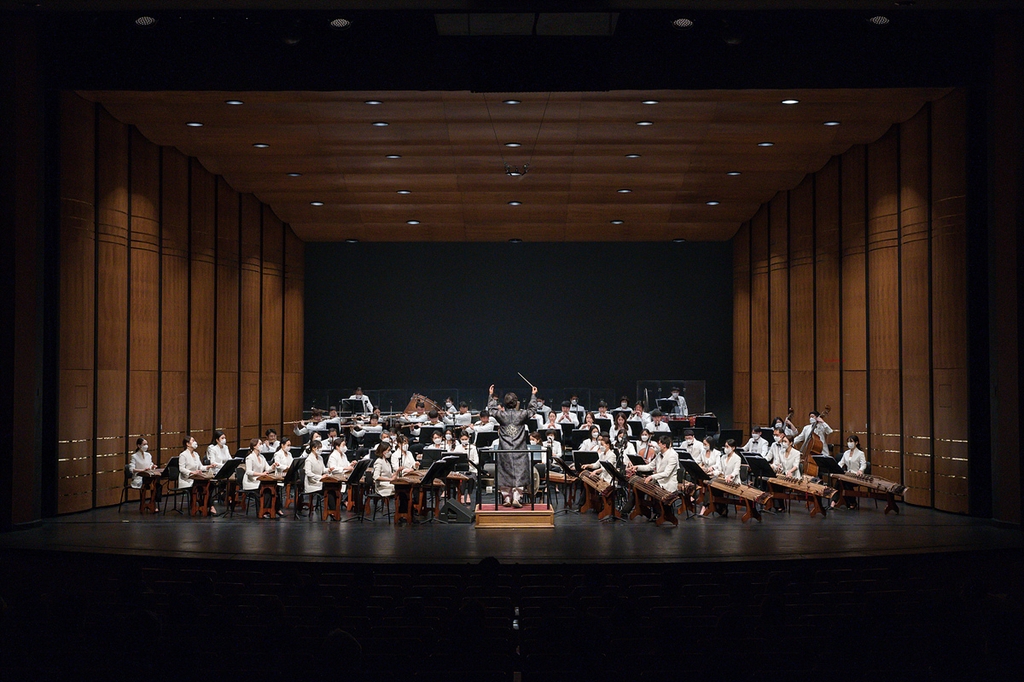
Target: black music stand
[828, 464]
[582, 458]
[356, 479]
[371, 440]
[707, 422]
[578, 436]
[228, 469]
[567, 470]
[636, 460]
[623, 484]
[603, 423]
[636, 428]
[567, 429]
[439, 469]
[667, 405]
[353, 406]
[427, 432]
[484, 439]
[693, 470]
[759, 466]
[430, 455]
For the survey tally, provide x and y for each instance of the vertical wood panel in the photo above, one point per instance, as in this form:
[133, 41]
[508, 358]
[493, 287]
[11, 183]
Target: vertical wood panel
[111, 306]
[77, 304]
[202, 307]
[294, 291]
[801, 296]
[915, 292]
[760, 411]
[272, 323]
[249, 322]
[884, 307]
[144, 311]
[853, 342]
[778, 302]
[741, 328]
[826, 293]
[174, 318]
[226, 402]
[949, 304]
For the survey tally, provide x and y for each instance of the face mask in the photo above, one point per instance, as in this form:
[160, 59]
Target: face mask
[223, 441]
[645, 438]
[437, 441]
[624, 404]
[145, 447]
[465, 443]
[674, 394]
[778, 439]
[551, 438]
[448, 436]
[574, 403]
[594, 436]
[851, 445]
[728, 450]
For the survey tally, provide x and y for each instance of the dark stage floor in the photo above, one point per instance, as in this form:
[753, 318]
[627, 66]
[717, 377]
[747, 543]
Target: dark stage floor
[574, 539]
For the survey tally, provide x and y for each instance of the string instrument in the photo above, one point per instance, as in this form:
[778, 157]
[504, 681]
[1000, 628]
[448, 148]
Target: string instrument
[428, 404]
[646, 493]
[805, 489]
[872, 487]
[736, 494]
[815, 447]
[598, 495]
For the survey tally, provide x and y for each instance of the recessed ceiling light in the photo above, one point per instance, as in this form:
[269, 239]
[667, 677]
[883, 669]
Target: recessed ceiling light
[879, 20]
[380, 124]
[733, 173]
[513, 144]
[145, 20]
[260, 145]
[373, 101]
[412, 222]
[340, 23]
[645, 123]
[515, 203]
[765, 144]
[632, 156]
[617, 222]
[623, 191]
[351, 240]
[712, 203]
[316, 203]
[194, 124]
[682, 23]
[649, 101]
[515, 240]
[678, 240]
[234, 102]
[831, 123]
[791, 101]
[392, 156]
[512, 101]
[295, 175]
[404, 191]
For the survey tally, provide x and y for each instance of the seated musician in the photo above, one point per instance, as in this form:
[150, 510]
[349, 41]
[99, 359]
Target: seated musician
[401, 459]
[774, 452]
[709, 458]
[553, 446]
[756, 445]
[551, 423]
[449, 408]
[619, 425]
[591, 444]
[312, 471]
[338, 463]
[647, 449]
[576, 408]
[623, 406]
[622, 444]
[638, 415]
[853, 460]
[189, 463]
[588, 422]
[255, 464]
[420, 415]
[383, 471]
[358, 395]
[729, 462]
[485, 425]
[451, 443]
[141, 460]
[283, 460]
[658, 423]
[567, 417]
[817, 426]
[314, 423]
[691, 446]
[543, 410]
[332, 414]
[434, 419]
[787, 426]
[270, 443]
[663, 469]
[680, 408]
[605, 453]
[314, 438]
[603, 413]
[332, 433]
[473, 455]
[360, 430]
[788, 463]
[461, 418]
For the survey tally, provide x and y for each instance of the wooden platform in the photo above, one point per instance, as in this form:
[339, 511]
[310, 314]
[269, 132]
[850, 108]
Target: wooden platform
[489, 516]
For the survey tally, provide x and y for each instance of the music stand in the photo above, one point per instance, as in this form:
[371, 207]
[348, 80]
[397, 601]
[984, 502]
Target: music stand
[667, 405]
[567, 429]
[636, 460]
[693, 470]
[335, 424]
[582, 458]
[709, 423]
[353, 406]
[735, 434]
[228, 469]
[603, 423]
[355, 479]
[371, 440]
[430, 455]
[427, 432]
[636, 428]
[439, 469]
[623, 482]
[484, 439]
[578, 436]
[759, 466]
[828, 464]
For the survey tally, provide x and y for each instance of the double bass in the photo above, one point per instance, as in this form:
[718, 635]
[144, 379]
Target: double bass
[815, 446]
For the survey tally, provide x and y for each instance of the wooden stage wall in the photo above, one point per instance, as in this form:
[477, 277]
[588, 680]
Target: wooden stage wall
[180, 306]
[850, 291]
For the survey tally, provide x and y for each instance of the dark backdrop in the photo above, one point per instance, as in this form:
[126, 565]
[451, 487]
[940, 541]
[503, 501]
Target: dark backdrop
[465, 315]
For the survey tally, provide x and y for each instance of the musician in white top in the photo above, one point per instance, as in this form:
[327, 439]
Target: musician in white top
[358, 395]
[605, 453]
[638, 415]
[461, 418]
[485, 425]
[449, 408]
[691, 446]
[603, 413]
[314, 423]
[657, 425]
[680, 403]
[141, 460]
[338, 463]
[360, 430]
[255, 464]
[270, 443]
[543, 410]
[648, 449]
[383, 472]
[283, 457]
[789, 463]
[401, 459]
[189, 463]
[313, 470]
[853, 460]
[729, 462]
[217, 452]
[567, 417]
[663, 470]
[709, 458]
[619, 425]
[818, 427]
[756, 445]
[591, 444]
[774, 453]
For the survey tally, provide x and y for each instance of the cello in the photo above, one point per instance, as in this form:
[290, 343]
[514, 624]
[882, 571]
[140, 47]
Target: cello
[815, 447]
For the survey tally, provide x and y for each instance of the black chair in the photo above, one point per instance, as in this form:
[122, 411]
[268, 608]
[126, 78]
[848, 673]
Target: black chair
[375, 499]
[171, 474]
[126, 487]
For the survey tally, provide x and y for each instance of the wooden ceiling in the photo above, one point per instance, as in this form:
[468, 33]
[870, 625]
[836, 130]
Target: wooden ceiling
[452, 153]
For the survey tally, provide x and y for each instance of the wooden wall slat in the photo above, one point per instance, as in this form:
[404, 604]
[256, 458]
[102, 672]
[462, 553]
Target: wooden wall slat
[174, 295]
[112, 277]
[760, 411]
[272, 323]
[801, 297]
[915, 295]
[144, 297]
[853, 342]
[226, 400]
[949, 304]
[778, 302]
[741, 328]
[249, 322]
[202, 303]
[294, 352]
[884, 307]
[826, 294]
[77, 304]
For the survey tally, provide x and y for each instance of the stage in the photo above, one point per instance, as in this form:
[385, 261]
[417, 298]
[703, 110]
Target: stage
[574, 539]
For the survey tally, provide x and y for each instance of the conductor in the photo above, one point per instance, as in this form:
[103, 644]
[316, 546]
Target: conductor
[512, 471]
